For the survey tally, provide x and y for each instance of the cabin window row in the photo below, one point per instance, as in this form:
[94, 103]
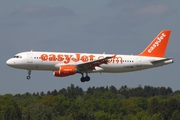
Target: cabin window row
[91, 59]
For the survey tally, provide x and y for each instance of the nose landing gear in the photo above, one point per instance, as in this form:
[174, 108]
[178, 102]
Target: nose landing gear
[29, 73]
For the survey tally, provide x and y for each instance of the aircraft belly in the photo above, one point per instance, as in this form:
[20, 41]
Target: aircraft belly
[118, 68]
[41, 66]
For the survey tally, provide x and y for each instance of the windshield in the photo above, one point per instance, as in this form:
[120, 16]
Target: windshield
[17, 56]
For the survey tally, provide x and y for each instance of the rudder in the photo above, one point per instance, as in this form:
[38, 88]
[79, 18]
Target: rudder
[157, 47]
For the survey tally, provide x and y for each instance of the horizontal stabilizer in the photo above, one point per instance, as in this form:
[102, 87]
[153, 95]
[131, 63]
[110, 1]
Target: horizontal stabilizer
[162, 60]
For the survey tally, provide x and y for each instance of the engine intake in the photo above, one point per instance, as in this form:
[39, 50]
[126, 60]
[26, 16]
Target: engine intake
[65, 71]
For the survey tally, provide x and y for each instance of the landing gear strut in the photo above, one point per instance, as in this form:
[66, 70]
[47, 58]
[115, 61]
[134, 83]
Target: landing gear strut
[29, 73]
[85, 79]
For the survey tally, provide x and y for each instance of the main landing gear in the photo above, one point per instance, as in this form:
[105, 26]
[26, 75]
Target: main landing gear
[29, 73]
[85, 79]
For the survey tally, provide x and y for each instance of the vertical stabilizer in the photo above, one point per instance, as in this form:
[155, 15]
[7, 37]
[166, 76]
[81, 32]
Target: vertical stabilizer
[157, 47]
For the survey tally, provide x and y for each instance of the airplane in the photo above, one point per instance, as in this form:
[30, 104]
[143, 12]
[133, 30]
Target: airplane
[65, 64]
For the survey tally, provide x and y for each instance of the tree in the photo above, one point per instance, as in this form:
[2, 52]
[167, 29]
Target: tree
[129, 106]
[154, 106]
[100, 115]
[173, 105]
[42, 94]
[157, 116]
[63, 92]
[152, 103]
[54, 93]
[10, 108]
[176, 115]
[113, 90]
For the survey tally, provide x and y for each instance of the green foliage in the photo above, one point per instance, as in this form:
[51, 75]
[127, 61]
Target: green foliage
[97, 103]
[157, 116]
[9, 108]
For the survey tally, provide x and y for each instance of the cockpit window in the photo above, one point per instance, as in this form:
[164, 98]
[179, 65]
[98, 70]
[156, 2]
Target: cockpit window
[17, 56]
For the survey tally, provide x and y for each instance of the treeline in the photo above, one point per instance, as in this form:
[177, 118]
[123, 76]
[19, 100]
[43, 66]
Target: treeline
[96, 103]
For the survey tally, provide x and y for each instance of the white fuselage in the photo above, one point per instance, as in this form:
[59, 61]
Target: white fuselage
[53, 60]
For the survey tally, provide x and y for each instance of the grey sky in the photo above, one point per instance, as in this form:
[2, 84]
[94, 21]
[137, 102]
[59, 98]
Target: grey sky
[95, 26]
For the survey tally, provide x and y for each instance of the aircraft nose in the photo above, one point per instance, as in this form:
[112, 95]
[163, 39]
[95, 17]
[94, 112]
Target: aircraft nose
[9, 62]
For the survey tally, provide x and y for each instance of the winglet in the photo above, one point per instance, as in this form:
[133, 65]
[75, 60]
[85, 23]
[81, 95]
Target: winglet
[157, 47]
[114, 56]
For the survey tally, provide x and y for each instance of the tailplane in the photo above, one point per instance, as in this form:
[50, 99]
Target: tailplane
[157, 47]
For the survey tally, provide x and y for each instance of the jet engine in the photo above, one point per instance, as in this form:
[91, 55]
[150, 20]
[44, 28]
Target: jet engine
[65, 71]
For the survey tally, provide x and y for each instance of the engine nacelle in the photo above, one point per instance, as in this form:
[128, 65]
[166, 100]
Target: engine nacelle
[65, 71]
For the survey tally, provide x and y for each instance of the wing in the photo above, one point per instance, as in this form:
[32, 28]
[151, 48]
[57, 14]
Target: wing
[90, 66]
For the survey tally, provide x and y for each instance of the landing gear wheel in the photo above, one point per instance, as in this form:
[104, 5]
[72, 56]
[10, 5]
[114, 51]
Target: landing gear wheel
[82, 79]
[29, 73]
[87, 78]
[28, 77]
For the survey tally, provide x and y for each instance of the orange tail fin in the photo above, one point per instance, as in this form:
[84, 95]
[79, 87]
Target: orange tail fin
[157, 47]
